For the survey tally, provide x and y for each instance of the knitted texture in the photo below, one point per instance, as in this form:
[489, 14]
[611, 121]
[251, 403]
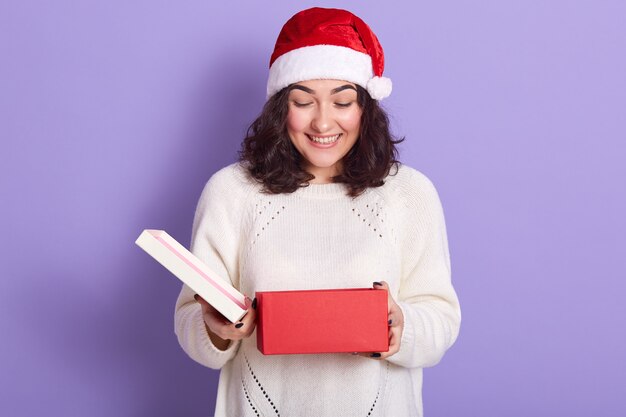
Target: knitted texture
[318, 237]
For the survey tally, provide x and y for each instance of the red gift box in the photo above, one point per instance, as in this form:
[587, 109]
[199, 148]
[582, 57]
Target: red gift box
[322, 321]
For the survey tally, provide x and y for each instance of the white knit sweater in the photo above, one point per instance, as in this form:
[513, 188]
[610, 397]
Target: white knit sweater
[318, 237]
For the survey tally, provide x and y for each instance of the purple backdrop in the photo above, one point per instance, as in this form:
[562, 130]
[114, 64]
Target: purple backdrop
[114, 114]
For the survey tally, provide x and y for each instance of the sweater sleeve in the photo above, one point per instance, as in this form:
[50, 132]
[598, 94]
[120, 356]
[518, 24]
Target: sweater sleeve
[215, 241]
[428, 301]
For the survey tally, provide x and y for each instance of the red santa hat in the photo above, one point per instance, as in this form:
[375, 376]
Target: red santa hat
[321, 43]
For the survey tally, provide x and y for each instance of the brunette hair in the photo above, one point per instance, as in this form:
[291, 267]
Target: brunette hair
[271, 159]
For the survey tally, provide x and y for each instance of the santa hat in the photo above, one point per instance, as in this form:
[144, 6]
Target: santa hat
[321, 43]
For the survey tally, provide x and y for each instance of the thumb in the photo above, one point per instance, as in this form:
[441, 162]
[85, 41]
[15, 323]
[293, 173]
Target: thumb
[381, 285]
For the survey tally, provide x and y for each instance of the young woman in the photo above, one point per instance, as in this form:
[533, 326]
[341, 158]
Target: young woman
[318, 200]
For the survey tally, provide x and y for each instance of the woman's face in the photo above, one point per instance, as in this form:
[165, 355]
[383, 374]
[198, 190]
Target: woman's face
[323, 123]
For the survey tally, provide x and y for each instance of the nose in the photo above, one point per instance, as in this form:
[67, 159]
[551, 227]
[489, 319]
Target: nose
[322, 119]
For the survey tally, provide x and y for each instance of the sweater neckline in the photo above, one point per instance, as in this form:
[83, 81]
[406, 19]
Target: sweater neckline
[328, 190]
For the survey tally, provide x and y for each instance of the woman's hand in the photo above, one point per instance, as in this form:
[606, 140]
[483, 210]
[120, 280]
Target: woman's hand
[395, 319]
[221, 331]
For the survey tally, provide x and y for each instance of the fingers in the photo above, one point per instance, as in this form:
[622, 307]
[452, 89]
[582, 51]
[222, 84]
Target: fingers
[381, 285]
[395, 317]
[246, 325]
[395, 321]
[222, 327]
[394, 346]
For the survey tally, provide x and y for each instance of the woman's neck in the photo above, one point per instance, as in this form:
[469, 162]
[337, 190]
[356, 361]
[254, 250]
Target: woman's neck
[323, 175]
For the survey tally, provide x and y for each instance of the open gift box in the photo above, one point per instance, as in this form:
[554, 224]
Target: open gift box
[322, 321]
[194, 273]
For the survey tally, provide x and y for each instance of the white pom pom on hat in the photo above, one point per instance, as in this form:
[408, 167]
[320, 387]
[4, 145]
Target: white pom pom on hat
[322, 43]
[379, 87]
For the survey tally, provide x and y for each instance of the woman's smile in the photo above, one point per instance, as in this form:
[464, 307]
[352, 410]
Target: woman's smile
[324, 141]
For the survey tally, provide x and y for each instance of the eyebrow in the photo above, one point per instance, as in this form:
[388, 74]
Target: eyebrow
[333, 91]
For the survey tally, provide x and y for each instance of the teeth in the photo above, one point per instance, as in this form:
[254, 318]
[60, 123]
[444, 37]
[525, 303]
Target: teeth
[329, 139]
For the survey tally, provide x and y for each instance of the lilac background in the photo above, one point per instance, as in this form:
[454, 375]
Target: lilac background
[114, 114]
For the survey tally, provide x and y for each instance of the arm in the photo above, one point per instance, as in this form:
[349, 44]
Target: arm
[428, 301]
[215, 241]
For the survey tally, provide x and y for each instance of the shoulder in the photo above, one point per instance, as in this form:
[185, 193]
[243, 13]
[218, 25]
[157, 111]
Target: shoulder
[233, 175]
[230, 184]
[415, 202]
[409, 186]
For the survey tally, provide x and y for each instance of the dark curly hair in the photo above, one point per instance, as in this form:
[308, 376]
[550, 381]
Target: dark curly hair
[271, 159]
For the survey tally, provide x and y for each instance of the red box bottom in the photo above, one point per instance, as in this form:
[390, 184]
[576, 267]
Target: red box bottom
[322, 321]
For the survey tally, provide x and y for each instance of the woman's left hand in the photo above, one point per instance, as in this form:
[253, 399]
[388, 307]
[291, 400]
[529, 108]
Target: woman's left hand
[396, 325]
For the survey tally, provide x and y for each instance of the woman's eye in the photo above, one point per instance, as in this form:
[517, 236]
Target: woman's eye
[344, 104]
[297, 104]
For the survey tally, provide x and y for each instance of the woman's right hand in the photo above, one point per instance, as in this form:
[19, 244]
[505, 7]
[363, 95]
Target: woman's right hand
[221, 331]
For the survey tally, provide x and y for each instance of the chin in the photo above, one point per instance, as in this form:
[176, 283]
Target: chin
[323, 164]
